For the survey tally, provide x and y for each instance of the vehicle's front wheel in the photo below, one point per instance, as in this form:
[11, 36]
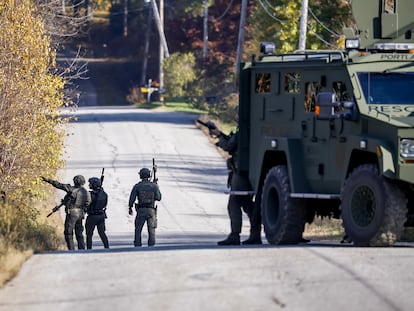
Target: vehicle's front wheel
[283, 217]
[373, 208]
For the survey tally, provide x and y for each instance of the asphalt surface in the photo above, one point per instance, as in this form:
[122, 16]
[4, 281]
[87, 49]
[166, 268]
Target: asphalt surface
[186, 270]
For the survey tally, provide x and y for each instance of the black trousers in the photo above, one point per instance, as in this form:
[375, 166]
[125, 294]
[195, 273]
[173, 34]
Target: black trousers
[97, 221]
[238, 204]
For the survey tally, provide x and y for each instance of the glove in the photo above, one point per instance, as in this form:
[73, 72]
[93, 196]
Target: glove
[211, 125]
[130, 211]
[214, 132]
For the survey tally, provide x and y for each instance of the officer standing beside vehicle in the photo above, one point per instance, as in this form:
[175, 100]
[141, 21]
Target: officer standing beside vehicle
[75, 207]
[146, 193]
[96, 213]
[237, 203]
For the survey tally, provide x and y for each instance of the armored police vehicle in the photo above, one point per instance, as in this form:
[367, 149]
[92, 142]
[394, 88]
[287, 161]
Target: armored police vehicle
[331, 133]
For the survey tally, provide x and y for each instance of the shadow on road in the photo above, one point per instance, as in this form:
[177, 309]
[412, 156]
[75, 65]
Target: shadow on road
[122, 243]
[127, 114]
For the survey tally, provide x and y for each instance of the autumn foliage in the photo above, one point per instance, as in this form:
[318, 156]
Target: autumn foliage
[31, 132]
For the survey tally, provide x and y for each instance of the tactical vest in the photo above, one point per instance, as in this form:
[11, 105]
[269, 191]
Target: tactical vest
[79, 198]
[146, 195]
[99, 201]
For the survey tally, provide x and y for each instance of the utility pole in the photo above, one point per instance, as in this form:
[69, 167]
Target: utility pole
[303, 26]
[159, 20]
[205, 37]
[146, 45]
[161, 71]
[240, 40]
[125, 22]
[160, 25]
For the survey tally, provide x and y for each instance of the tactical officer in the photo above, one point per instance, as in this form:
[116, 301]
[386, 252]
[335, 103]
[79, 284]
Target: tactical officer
[238, 181]
[146, 192]
[96, 213]
[75, 207]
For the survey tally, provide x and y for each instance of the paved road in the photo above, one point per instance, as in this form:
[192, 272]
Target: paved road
[186, 270]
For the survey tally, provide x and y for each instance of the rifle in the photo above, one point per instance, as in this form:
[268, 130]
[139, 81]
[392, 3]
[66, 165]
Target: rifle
[102, 180]
[102, 176]
[154, 171]
[211, 126]
[155, 180]
[63, 202]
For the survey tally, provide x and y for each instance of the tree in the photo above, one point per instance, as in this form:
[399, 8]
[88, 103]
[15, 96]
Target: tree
[180, 72]
[30, 136]
[278, 21]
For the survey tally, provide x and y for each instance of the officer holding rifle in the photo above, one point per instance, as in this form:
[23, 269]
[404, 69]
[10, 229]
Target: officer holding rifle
[145, 192]
[76, 201]
[96, 211]
[237, 182]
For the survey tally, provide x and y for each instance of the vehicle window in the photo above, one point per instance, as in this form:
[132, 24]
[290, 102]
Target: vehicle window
[263, 82]
[389, 6]
[292, 82]
[387, 88]
[311, 90]
[339, 88]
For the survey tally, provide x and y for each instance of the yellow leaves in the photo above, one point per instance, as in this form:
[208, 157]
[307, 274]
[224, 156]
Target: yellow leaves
[30, 139]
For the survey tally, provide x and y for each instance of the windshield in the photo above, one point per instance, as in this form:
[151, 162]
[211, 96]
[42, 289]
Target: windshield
[387, 89]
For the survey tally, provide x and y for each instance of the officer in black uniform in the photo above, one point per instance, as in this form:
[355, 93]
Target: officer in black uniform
[96, 213]
[79, 200]
[238, 181]
[146, 192]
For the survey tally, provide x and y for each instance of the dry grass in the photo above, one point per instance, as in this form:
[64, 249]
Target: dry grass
[324, 229]
[11, 261]
[26, 235]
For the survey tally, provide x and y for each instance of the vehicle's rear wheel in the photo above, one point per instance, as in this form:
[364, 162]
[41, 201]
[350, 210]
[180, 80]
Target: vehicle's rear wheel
[283, 217]
[373, 208]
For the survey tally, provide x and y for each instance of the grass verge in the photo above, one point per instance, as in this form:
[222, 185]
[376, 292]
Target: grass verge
[24, 232]
[11, 261]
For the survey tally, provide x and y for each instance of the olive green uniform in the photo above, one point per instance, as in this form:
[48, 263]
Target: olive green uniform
[75, 211]
[146, 192]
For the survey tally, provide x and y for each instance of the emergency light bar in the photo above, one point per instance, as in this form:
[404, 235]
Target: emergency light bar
[394, 46]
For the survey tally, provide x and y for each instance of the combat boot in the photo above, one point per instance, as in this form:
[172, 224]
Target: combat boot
[255, 235]
[252, 240]
[232, 239]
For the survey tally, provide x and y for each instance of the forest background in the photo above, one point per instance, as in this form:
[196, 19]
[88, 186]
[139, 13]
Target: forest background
[108, 36]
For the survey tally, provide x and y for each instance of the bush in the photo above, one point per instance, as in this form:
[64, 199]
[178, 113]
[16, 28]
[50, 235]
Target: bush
[180, 72]
[22, 228]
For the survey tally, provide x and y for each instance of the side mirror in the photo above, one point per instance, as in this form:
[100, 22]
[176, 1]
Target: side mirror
[329, 108]
[325, 104]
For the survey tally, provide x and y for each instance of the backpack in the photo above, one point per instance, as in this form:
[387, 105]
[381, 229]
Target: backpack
[146, 195]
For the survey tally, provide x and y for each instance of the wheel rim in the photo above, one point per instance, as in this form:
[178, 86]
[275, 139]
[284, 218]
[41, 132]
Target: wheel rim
[363, 206]
[272, 207]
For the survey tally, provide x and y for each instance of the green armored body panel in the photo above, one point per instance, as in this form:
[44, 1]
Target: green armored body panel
[331, 133]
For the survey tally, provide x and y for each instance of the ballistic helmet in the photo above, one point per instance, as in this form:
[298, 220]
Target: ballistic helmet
[144, 173]
[79, 180]
[95, 183]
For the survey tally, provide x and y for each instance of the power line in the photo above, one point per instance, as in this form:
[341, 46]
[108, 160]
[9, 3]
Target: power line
[225, 11]
[270, 14]
[320, 38]
[318, 21]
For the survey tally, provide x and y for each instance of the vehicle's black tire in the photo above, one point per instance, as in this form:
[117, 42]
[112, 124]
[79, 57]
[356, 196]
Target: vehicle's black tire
[373, 208]
[283, 217]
